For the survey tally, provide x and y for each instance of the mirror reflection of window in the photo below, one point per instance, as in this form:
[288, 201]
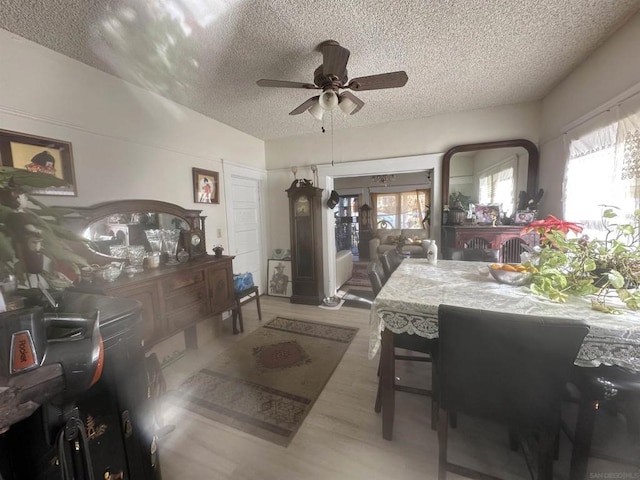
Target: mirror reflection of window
[497, 185]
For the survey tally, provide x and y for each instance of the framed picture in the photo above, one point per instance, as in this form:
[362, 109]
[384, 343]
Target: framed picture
[39, 154]
[524, 217]
[279, 274]
[485, 214]
[206, 186]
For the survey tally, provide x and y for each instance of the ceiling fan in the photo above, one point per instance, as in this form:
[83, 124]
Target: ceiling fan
[331, 77]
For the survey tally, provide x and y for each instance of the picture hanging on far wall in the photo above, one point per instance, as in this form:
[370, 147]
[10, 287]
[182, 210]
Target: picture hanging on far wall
[279, 275]
[206, 186]
[39, 154]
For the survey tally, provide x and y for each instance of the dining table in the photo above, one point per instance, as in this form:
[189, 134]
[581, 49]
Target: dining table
[409, 301]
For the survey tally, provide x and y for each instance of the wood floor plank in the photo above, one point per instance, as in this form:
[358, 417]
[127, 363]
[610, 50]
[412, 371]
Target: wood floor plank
[341, 438]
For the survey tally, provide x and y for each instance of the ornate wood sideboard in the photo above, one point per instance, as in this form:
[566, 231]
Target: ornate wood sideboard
[508, 239]
[174, 297]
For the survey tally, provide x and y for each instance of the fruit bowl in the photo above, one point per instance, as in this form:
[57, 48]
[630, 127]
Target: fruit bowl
[510, 277]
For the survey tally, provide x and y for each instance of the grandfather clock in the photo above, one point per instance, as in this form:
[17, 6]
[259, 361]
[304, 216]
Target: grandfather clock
[305, 210]
[365, 232]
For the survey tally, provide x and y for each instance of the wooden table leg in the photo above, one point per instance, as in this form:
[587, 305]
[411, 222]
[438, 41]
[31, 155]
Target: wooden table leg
[258, 304]
[387, 375]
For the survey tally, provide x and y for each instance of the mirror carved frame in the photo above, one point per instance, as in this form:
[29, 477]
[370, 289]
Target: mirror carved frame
[532, 168]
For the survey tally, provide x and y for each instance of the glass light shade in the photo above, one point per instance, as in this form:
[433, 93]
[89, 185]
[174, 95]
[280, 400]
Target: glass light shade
[328, 100]
[346, 104]
[316, 112]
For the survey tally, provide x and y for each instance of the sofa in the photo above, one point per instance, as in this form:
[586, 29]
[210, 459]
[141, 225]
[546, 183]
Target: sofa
[344, 267]
[387, 238]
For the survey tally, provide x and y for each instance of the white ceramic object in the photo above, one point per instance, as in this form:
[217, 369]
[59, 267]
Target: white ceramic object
[432, 252]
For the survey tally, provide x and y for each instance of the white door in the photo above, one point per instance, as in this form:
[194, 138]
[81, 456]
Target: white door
[246, 232]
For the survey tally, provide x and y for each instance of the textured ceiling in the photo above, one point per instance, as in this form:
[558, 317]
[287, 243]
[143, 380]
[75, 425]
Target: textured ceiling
[208, 54]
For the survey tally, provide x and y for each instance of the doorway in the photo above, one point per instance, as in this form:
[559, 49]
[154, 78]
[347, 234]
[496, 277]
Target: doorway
[347, 230]
[245, 221]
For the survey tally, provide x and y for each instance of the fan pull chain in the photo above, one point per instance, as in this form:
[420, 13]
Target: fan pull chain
[332, 138]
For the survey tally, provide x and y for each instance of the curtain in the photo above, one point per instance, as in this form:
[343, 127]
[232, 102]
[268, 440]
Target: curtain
[399, 210]
[497, 185]
[603, 168]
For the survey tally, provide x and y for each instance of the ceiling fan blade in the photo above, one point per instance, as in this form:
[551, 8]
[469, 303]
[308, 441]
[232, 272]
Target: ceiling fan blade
[284, 84]
[305, 106]
[334, 60]
[382, 80]
[359, 103]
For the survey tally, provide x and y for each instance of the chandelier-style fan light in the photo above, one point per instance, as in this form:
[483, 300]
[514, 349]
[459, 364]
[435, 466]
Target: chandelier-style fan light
[331, 78]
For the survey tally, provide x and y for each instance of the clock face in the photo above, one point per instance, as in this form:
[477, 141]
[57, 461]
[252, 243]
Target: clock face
[193, 243]
[302, 207]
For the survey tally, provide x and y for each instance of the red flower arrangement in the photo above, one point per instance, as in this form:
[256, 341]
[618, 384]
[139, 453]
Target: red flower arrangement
[550, 224]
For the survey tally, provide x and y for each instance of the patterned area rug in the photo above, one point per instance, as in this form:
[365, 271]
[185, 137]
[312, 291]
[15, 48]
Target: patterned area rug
[359, 277]
[267, 383]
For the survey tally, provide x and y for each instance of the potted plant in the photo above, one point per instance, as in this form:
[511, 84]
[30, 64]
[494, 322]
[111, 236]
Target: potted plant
[458, 206]
[583, 266]
[33, 237]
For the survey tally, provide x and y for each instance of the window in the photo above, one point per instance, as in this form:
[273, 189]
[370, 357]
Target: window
[498, 184]
[400, 210]
[602, 170]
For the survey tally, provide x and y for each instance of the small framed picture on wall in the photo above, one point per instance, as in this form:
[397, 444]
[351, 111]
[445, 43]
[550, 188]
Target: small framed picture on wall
[206, 186]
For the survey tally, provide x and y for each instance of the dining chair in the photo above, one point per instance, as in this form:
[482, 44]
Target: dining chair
[413, 343]
[508, 368]
[594, 388]
[390, 260]
[376, 275]
[474, 254]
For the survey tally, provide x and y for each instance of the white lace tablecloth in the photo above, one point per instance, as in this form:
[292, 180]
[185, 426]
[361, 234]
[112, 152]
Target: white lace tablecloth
[409, 303]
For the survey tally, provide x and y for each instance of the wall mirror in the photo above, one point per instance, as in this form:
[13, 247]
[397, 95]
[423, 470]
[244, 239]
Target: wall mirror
[465, 167]
[126, 222]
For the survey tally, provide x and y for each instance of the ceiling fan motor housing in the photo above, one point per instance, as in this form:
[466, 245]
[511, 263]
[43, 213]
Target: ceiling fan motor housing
[323, 81]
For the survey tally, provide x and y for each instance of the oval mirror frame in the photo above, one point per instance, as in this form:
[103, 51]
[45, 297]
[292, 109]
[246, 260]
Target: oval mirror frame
[532, 168]
[85, 216]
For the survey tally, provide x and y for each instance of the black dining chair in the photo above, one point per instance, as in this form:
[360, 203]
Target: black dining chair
[413, 343]
[592, 388]
[473, 254]
[376, 275]
[390, 260]
[504, 367]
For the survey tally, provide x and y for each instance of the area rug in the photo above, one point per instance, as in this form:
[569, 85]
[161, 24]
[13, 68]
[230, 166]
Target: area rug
[266, 383]
[359, 277]
[358, 298]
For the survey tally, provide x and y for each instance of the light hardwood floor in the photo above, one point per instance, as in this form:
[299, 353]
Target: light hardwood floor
[341, 438]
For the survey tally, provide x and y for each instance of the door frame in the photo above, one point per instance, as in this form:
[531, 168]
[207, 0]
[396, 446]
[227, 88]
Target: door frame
[327, 173]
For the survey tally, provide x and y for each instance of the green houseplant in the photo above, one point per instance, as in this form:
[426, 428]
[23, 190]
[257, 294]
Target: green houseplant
[33, 236]
[583, 266]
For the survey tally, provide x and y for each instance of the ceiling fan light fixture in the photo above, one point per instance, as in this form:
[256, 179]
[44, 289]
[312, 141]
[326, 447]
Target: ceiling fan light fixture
[328, 100]
[316, 111]
[346, 104]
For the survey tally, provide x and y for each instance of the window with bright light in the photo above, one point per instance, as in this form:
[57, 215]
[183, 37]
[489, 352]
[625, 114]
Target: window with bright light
[400, 210]
[602, 171]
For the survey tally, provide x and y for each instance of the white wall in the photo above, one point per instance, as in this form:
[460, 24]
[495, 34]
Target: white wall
[127, 142]
[609, 75]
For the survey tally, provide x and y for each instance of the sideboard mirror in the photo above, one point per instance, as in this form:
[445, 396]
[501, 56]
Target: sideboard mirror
[125, 222]
[463, 166]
